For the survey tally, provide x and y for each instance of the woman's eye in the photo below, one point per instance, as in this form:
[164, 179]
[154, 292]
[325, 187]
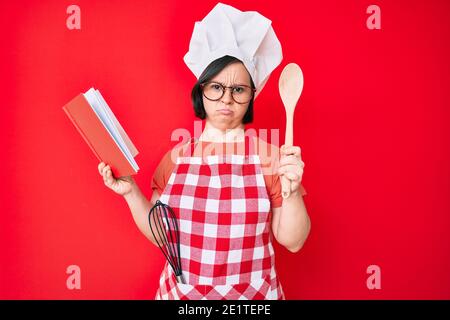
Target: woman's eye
[216, 87]
[238, 89]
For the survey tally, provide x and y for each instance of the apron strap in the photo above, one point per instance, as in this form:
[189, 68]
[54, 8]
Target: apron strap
[191, 147]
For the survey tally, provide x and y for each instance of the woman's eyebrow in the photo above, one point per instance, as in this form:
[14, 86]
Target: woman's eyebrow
[232, 85]
[241, 84]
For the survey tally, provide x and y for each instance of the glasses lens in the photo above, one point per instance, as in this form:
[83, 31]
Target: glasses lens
[242, 94]
[213, 91]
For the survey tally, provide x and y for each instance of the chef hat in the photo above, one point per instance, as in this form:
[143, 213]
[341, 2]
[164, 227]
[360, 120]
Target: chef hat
[247, 36]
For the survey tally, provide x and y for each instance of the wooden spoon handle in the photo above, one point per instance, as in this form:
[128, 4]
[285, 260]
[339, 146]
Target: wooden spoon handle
[288, 141]
[289, 134]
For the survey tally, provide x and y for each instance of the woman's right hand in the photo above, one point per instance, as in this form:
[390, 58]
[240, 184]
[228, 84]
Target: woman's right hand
[121, 186]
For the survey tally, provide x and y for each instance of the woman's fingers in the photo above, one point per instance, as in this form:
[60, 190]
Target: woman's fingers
[110, 181]
[290, 150]
[101, 165]
[107, 176]
[289, 160]
[290, 168]
[105, 171]
[292, 176]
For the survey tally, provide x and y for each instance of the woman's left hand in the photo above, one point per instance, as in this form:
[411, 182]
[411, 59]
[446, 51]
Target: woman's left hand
[291, 166]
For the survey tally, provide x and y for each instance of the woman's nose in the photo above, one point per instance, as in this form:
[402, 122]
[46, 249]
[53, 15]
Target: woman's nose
[227, 96]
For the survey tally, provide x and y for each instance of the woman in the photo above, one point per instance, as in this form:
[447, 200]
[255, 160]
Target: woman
[227, 208]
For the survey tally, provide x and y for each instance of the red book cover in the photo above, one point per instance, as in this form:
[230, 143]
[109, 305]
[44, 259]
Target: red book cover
[97, 137]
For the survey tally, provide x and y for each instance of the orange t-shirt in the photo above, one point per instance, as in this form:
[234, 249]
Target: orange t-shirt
[268, 154]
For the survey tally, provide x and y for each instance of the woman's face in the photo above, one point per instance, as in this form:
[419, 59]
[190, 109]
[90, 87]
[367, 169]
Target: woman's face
[226, 113]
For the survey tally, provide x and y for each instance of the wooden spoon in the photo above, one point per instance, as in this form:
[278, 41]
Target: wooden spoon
[290, 86]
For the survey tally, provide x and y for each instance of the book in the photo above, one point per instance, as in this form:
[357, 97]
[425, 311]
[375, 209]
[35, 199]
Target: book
[96, 123]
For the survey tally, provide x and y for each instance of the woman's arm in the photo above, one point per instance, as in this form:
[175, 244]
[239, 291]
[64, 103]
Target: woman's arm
[140, 207]
[291, 223]
[137, 202]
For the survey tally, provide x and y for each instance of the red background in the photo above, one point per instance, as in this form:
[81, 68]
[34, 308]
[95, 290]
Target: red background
[372, 122]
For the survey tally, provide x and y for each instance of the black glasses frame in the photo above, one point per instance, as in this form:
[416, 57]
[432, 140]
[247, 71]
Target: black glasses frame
[224, 89]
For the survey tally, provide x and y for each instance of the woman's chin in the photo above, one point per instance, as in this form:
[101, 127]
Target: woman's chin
[223, 123]
[221, 118]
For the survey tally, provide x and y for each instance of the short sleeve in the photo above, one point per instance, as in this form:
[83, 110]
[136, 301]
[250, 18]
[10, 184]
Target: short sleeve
[275, 193]
[162, 173]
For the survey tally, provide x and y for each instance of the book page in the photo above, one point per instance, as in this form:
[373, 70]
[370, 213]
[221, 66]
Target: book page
[122, 132]
[99, 109]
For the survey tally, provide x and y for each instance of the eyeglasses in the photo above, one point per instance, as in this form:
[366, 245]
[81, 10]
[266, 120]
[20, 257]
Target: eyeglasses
[214, 91]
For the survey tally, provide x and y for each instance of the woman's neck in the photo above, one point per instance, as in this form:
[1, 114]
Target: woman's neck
[214, 134]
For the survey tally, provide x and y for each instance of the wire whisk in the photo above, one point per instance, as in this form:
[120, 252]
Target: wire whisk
[164, 227]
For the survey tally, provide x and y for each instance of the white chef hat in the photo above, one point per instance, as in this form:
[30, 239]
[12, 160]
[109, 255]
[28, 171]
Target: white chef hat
[247, 36]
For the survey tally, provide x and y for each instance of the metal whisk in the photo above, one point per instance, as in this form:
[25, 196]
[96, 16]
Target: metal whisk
[167, 235]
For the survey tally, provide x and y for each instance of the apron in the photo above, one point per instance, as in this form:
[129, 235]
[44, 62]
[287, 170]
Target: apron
[222, 208]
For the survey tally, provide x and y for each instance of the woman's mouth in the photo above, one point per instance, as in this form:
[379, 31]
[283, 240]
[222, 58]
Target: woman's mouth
[226, 112]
